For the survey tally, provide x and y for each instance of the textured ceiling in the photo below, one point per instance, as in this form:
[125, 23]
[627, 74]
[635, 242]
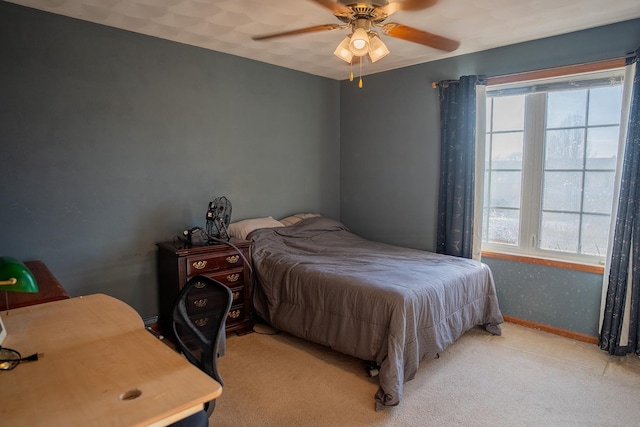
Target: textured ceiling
[227, 26]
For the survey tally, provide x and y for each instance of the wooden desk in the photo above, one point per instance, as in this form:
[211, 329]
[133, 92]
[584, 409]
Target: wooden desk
[96, 351]
[49, 289]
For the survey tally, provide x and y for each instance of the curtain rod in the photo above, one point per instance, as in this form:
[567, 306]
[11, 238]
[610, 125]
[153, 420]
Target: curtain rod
[549, 72]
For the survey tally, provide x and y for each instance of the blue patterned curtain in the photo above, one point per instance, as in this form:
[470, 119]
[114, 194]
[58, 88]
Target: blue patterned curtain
[457, 157]
[625, 256]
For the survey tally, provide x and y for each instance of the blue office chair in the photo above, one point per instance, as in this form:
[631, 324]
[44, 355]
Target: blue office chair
[198, 323]
[199, 419]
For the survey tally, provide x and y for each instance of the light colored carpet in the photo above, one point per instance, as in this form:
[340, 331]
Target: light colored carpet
[523, 378]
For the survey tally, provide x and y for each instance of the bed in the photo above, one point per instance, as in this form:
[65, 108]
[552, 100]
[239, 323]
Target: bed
[386, 304]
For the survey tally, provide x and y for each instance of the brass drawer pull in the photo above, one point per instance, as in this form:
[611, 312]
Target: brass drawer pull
[200, 302]
[199, 285]
[199, 265]
[233, 259]
[233, 277]
[234, 314]
[236, 295]
[201, 322]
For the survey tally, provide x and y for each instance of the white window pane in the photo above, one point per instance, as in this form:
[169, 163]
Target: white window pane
[487, 152]
[598, 192]
[566, 108]
[602, 147]
[564, 149]
[485, 194]
[488, 115]
[506, 151]
[595, 234]
[505, 189]
[604, 105]
[562, 191]
[503, 226]
[508, 113]
[559, 232]
[485, 221]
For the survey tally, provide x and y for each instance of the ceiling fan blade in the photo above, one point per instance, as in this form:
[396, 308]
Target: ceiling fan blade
[418, 36]
[338, 8]
[315, 28]
[407, 5]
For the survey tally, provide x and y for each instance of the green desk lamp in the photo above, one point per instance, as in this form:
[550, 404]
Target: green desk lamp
[15, 277]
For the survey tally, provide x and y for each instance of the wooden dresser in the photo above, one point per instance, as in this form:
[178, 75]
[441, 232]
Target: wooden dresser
[177, 263]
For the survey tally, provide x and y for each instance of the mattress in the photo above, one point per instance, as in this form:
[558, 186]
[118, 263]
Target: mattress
[391, 305]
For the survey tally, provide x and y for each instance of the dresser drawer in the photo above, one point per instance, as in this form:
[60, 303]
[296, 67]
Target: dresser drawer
[205, 321]
[200, 298]
[236, 315]
[237, 294]
[206, 263]
[204, 302]
[230, 278]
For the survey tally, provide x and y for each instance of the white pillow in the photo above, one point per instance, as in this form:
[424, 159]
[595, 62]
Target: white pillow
[294, 219]
[242, 228]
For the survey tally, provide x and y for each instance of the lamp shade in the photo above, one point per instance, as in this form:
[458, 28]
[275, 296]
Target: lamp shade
[359, 44]
[343, 52]
[15, 276]
[377, 49]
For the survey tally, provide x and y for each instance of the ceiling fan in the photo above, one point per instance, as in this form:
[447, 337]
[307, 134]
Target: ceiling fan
[362, 17]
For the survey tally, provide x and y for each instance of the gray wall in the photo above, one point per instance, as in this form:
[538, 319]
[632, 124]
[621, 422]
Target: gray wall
[566, 299]
[390, 164]
[111, 141]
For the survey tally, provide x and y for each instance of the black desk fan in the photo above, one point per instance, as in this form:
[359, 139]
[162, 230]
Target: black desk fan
[218, 218]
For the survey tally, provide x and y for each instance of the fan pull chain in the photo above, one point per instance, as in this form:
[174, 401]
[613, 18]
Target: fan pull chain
[360, 82]
[351, 73]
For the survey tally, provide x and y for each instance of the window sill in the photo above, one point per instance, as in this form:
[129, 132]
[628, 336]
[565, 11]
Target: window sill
[568, 265]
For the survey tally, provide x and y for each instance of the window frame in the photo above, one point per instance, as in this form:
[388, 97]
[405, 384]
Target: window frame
[532, 179]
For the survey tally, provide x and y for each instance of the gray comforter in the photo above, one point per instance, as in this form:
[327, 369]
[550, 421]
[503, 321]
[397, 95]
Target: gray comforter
[377, 302]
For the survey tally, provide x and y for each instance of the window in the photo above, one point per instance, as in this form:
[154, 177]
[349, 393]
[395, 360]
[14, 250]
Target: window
[550, 160]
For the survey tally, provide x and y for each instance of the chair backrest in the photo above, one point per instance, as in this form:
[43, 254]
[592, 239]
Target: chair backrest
[198, 320]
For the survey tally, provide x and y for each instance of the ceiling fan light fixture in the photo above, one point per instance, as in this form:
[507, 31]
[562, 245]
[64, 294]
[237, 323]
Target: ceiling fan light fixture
[343, 52]
[377, 49]
[359, 44]
[362, 18]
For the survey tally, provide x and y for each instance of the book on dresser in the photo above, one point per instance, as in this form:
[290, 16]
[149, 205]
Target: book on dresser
[178, 262]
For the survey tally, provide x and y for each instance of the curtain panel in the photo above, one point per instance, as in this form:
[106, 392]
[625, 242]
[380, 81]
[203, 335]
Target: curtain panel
[457, 166]
[624, 270]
